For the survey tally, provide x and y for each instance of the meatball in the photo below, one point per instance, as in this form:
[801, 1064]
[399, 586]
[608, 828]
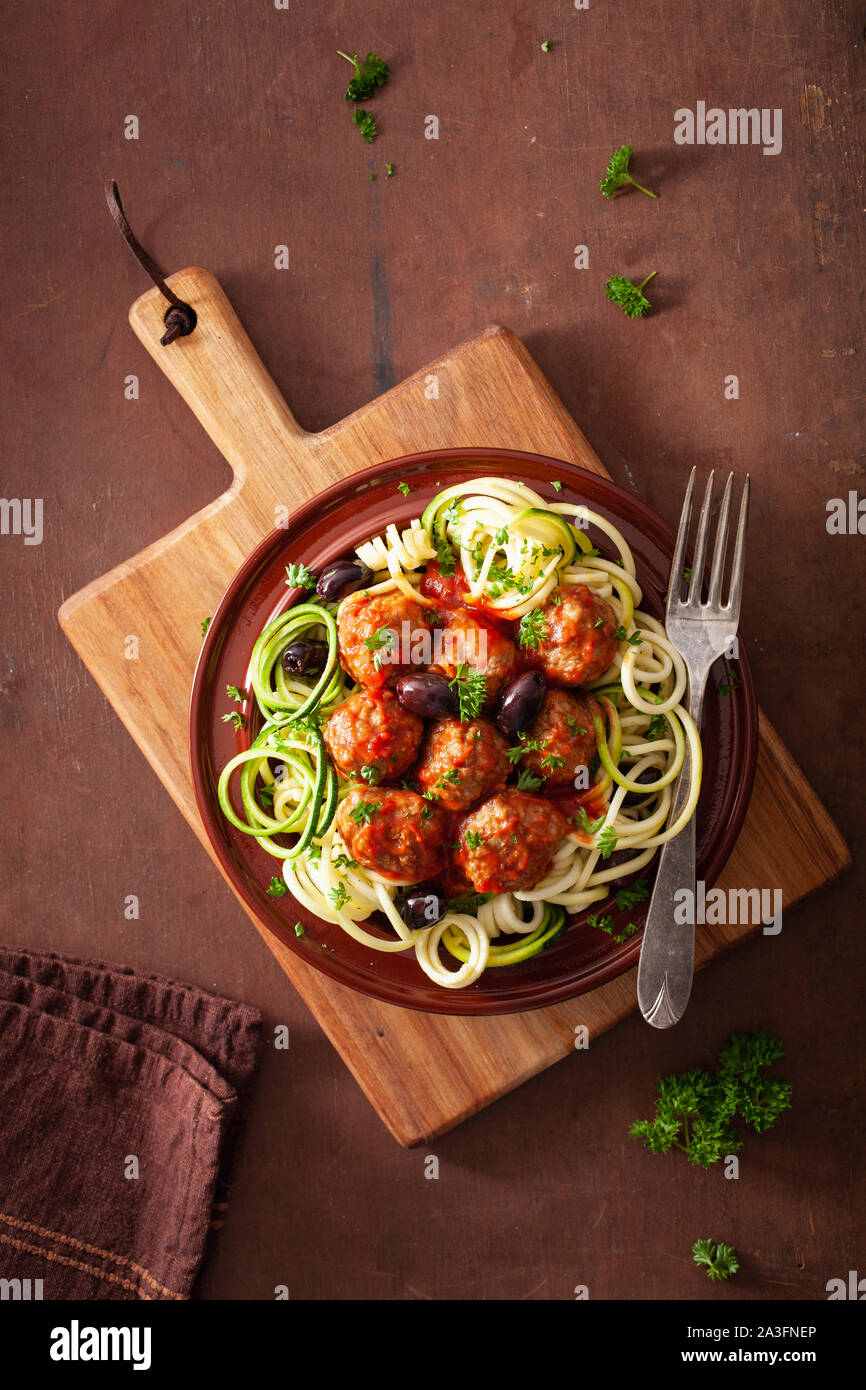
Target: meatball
[465, 641]
[566, 737]
[376, 635]
[460, 763]
[396, 833]
[507, 842]
[453, 881]
[578, 641]
[372, 730]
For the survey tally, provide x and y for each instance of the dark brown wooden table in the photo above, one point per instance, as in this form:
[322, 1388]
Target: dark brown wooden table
[245, 143]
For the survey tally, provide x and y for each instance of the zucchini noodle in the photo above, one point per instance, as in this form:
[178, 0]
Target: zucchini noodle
[515, 549]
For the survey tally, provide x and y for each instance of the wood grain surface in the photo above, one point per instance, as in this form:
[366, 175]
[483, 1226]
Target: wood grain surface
[244, 144]
[489, 391]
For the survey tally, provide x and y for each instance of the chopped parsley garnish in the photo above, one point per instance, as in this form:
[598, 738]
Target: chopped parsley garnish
[622, 636]
[299, 577]
[557, 486]
[278, 888]
[389, 171]
[266, 795]
[574, 726]
[632, 894]
[364, 812]
[236, 719]
[471, 687]
[617, 175]
[369, 74]
[605, 924]
[607, 842]
[695, 1110]
[382, 643]
[235, 694]
[404, 488]
[628, 296]
[545, 47]
[551, 761]
[445, 558]
[532, 628]
[371, 774]
[366, 123]
[687, 575]
[473, 839]
[501, 537]
[600, 923]
[339, 896]
[719, 1261]
[731, 682]
[451, 778]
[591, 827]
[205, 624]
[657, 726]
[528, 782]
[342, 861]
[599, 622]
[299, 929]
[525, 745]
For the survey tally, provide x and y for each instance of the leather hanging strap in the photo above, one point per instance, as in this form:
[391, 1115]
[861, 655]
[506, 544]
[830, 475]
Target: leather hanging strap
[180, 318]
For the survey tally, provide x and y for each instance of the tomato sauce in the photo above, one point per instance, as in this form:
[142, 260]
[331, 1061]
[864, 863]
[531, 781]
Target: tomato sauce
[569, 801]
[451, 591]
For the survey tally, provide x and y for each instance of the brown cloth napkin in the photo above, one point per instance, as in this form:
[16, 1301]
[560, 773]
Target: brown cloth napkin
[119, 1099]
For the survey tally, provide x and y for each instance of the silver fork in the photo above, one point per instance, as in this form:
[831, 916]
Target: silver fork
[701, 632]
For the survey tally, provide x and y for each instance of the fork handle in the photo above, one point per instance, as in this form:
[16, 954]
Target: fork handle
[667, 958]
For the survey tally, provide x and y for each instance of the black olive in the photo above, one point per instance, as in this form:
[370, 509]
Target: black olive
[422, 906]
[649, 775]
[520, 703]
[427, 694]
[342, 577]
[304, 658]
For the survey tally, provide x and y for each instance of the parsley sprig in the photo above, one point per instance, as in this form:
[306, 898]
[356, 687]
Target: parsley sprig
[366, 123]
[369, 74]
[720, 1261]
[695, 1110]
[616, 175]
[528, 782]
[299, 577]
[364, 812]
[532, 629]
[471, 687]
[632, 894]
[630, 297]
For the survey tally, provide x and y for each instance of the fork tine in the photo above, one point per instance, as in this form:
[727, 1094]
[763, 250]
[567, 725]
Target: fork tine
[718, 569]
[676, 578]
[733, 604]
[701, 543]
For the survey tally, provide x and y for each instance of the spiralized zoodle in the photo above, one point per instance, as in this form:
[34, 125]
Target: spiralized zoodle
[515, 549]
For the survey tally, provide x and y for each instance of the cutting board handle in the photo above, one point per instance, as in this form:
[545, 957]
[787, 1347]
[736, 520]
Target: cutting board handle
[220, 375]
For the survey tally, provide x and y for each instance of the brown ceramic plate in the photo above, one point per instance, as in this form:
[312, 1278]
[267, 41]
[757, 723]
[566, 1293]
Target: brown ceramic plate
[331, 525]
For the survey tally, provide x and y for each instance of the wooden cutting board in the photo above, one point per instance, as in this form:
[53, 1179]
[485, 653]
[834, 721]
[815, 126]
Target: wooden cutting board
[423, 1074]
